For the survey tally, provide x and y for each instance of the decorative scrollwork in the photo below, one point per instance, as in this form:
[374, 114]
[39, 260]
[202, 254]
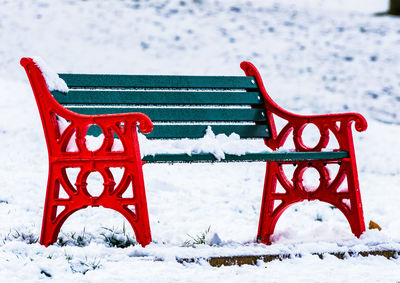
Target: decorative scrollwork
[327, 191]
[349, 202]
[297, 123]
[100, 160]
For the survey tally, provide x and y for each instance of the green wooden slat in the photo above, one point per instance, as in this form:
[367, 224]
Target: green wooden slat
[198, 131]
[267, 156]
[182, 114]
[148, 81]
[156, 97]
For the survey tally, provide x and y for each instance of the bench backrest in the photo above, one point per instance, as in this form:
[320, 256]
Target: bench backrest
[179, 106]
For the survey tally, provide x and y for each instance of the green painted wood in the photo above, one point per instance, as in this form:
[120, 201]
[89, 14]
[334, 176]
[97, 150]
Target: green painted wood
[186, 96]
[108, 97]
[149, 81]
[198, 131]
[182, 114]
[250, 157]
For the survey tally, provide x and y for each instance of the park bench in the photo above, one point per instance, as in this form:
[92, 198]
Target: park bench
[175, 107]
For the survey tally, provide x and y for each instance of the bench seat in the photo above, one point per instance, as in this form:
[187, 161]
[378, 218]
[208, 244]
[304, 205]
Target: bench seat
[283, 157]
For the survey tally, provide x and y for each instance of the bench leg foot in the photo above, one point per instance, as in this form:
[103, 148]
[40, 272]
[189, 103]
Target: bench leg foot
[57, 210]
[133, 209]
[274, 203]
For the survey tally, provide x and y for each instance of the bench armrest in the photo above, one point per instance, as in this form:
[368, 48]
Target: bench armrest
[123, 125]
[360, 122]
[145, 123]
[338, 124]
[49, 109]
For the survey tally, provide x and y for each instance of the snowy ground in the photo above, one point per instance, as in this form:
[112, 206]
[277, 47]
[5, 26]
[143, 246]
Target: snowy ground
[315, 57]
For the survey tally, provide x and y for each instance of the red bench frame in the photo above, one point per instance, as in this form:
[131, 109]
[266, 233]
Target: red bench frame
[327, 191]
[124, 126]
[101, 160]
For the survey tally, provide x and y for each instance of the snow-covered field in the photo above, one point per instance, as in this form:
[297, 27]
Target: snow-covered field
[315, 57]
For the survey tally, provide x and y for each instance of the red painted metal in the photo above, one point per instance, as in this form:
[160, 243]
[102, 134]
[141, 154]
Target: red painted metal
[349, 203]
[134, 209]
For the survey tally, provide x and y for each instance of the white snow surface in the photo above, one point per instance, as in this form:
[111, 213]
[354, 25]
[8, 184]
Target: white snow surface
[53, 81]
[315, 57]
[218, 145]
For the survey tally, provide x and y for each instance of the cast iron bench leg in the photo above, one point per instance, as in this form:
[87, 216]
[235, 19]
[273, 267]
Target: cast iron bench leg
[349, 203]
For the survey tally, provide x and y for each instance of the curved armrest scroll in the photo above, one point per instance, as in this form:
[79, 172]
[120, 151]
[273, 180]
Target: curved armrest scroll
[360, 122]
[339, 124]
[145, 123]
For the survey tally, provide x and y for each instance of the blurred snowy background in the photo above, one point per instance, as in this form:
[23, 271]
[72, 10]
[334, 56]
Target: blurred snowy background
[315, 56]
[307, 51]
